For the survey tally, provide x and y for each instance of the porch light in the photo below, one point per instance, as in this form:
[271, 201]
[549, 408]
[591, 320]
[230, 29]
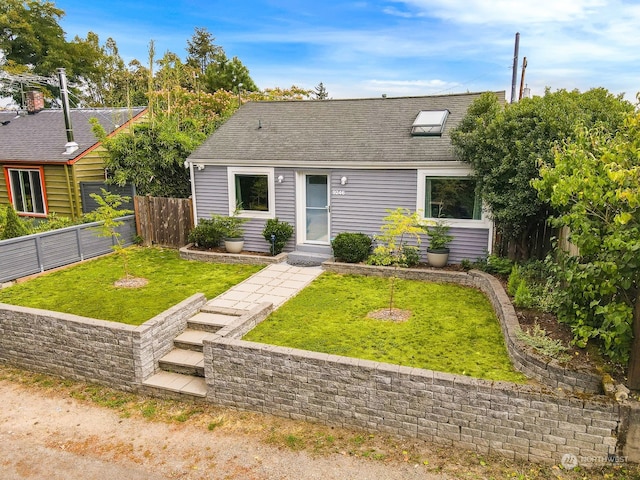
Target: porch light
[280, 179]
[344, 180]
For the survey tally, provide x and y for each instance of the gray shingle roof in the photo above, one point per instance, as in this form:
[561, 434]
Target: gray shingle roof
[41, 137]
[332, 132]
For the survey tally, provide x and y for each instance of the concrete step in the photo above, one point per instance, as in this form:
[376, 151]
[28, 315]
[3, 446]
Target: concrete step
[187, 362]
[177, 383]
[311, 248]
[210, 321]
[191, 340]
[307, 259]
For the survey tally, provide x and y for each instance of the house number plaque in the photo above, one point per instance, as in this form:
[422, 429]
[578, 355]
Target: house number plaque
[338, 192]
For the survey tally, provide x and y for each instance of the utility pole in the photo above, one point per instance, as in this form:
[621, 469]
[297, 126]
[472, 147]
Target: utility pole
[514, 78]
[524, 67]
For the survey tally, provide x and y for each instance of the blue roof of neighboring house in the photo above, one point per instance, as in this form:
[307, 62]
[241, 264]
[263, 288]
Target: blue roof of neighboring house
[41, 137]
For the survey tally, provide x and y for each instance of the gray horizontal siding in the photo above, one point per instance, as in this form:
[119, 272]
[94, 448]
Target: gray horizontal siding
[212, 191]
[468, 243]
[368, 195]
[31, 254]
[212, 198]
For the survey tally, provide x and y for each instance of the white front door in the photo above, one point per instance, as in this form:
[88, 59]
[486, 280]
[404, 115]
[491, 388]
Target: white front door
[316, 208]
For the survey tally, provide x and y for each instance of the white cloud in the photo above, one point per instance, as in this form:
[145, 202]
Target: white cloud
[507, 11]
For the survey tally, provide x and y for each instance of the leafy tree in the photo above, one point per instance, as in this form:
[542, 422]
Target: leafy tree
[151, 155]
[201, 49]
[321, 92]
[108, 212]
[506, 144]
[399, 227]
[225, 74]
[594, 183]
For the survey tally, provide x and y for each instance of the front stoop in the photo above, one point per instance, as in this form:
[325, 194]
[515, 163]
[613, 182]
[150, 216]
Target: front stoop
[182, 369]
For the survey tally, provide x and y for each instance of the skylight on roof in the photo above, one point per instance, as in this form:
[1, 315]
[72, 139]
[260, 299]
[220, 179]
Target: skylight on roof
[429, 122]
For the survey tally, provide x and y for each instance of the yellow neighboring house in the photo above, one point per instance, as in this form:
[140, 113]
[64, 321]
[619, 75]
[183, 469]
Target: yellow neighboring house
[41, 173]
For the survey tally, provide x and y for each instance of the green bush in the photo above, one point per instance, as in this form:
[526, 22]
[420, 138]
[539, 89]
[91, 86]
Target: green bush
[282, 232]
[494, 264]
[411, 255]
[523, 297]
[14, 226]
[538, 339]
[53, 222]
[351, 247]
[514, 281]
[406, 256]
[208, 233]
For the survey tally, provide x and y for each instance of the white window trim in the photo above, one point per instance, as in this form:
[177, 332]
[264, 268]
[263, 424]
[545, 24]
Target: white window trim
[42, 191]
[449, 169]
[268, 171]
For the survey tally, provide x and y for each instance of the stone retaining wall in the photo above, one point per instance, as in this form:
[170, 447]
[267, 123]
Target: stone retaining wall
[188, 253]
[514, 421]
[525, 359]
[86, 349]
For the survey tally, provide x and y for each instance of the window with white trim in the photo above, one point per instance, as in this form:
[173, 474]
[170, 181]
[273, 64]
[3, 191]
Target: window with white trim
[251, 192]
[448, 190]
[27, 190]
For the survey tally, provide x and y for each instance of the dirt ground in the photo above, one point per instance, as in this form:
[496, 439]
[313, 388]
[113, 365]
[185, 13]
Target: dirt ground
[51, 428]
[52, 437]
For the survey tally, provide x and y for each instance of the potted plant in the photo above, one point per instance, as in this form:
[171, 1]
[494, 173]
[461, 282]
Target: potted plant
[439, 239]
[233, 233]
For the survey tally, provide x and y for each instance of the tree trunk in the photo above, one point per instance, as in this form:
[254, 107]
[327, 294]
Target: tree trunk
[633, 374]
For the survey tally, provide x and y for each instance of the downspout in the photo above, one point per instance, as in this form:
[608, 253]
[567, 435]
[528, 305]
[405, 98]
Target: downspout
[193, 191]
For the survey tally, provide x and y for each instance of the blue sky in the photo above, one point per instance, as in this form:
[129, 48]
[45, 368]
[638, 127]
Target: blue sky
[395, 47]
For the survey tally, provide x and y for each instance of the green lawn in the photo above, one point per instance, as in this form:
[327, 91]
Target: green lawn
[87, 289]
[452, 328]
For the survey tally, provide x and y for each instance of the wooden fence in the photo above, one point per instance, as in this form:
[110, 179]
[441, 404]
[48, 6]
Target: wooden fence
[163, 221]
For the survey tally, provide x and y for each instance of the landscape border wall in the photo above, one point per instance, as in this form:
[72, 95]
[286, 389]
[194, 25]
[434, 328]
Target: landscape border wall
[71, 346]
[525, 422]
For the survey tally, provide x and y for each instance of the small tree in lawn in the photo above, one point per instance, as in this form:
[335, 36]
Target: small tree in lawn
[400, 226]
[108, 213]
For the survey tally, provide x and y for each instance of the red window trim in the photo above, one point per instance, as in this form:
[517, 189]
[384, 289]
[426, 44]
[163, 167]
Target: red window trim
[45, 202]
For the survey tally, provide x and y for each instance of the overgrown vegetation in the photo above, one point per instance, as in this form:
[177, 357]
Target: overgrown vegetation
[505, 144]
[87, 289]
[451, 329]
[592, 182]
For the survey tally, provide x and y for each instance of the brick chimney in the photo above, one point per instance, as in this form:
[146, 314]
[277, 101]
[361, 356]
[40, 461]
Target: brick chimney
[35, 101]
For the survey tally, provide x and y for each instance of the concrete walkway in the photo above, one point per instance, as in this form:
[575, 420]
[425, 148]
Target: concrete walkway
[276, 284]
